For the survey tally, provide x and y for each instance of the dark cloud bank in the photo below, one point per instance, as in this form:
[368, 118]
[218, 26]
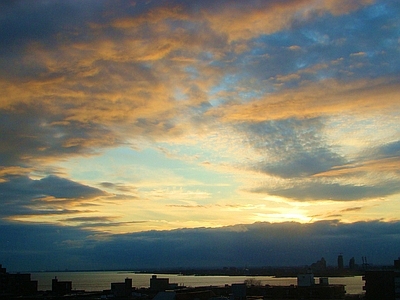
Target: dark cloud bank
[48, 247]
[21, 195]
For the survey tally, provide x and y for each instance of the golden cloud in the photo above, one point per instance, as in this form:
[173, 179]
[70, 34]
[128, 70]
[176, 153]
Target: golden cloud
[247, 21]
[325, 97]
[12, 171]
[385, 165]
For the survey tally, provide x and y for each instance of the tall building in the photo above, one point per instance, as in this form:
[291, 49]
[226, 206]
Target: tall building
[340, 261]
[352, 263]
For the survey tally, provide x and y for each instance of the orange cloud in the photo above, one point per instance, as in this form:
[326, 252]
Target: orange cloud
[247, 21]
[153, 17]
[386, 165]
[317, 99]
[12, 171]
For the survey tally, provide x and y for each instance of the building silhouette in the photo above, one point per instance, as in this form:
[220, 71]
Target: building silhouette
[305, 279]
[340, 262]
[161, 284]
[383, 284]
[238, 291]
[122, 289]
[16, 284]
[319, 265]
[352, 263]
[60, 288]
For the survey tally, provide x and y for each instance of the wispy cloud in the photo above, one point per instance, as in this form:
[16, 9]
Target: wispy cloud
[133, 116]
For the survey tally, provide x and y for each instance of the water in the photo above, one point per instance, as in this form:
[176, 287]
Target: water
[101, 280]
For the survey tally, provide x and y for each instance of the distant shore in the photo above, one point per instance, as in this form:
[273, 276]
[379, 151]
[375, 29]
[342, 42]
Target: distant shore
[278, 272]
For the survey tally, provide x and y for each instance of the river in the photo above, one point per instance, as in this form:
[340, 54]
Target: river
[101, 280]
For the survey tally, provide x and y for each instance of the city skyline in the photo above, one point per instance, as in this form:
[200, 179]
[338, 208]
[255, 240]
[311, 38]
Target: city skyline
[151, 124]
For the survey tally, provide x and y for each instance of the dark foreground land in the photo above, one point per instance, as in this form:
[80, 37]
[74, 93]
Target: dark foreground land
[20, 286]
[100, 295]
[227, 292]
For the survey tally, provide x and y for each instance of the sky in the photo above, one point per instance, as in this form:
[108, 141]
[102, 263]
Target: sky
[198, 133]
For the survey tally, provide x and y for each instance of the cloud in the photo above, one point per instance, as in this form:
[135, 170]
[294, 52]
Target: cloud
[388, 150]
[12, 171]
[36, 133]
[64, 188]
[90, 219]
[359, 97]
[291, 147]
[189, 206]
[379, 166]
[50, 195]
[372, 175]
[119, 187]
[246, 21]
[97, 223]
[262, 91]
[110, 82]
[33, 247]
[319, 190]
[258, 244]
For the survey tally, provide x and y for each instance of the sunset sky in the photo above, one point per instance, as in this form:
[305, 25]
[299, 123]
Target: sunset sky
[124, 121]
